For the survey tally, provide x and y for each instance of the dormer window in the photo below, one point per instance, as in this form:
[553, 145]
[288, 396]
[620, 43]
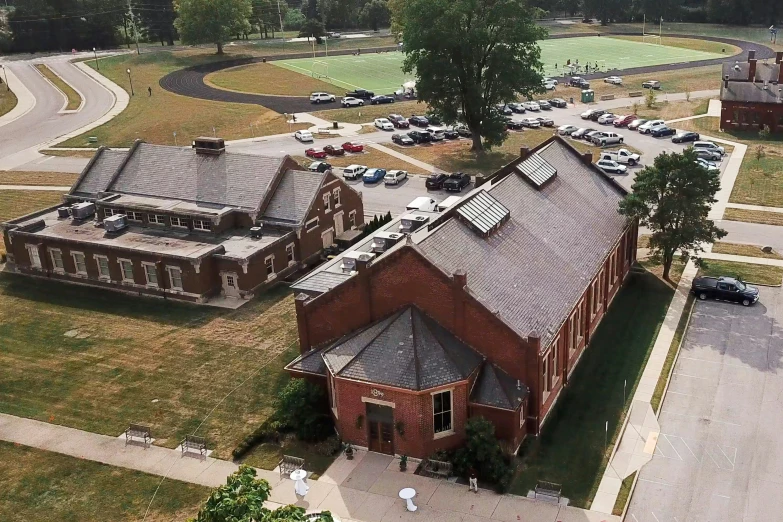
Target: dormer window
[200, 224]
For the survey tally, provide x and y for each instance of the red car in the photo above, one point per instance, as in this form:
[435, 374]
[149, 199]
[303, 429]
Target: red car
[312, 153]
[333, 151]
[623, 121]
[353, 147]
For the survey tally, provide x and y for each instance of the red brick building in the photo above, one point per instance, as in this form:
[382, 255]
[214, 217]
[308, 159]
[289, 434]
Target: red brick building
[752, 95]
[184, 224]
[484, 310]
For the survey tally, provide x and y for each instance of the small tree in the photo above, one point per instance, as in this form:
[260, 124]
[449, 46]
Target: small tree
[760, 152]
[687, 93]
[650, 98]
[672, 198]
[764, 132]
[304, 408]
[635, 107]
[207, 21]
[483, 453]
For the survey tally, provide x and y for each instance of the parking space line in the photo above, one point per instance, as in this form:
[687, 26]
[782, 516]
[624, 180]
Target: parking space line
[689, 449]
[688, 394]
[691, 376]
[715, 362]
[634, 517]
[657, 482]
[672, 445]
[653, 514]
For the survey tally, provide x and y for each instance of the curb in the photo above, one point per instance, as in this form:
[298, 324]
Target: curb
[62, 110]
[25, 101]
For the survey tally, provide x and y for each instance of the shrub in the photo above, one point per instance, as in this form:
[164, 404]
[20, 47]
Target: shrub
[328, 447]
[650, 98]
[303, 408]
[764, 132]
[266, 432]
[483, 453]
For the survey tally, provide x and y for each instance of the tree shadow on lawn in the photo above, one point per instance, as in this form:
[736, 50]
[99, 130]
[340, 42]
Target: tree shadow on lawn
[570, 450]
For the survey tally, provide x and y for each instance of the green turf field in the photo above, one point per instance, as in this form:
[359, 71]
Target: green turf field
[381, 72]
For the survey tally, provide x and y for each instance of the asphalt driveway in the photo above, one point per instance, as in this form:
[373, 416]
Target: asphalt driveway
[719, 456]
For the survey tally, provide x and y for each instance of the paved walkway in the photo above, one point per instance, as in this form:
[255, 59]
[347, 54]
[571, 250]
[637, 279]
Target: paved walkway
[742, 259]
[404, 157]
[35, 187]
[363, 489]
[754, 207]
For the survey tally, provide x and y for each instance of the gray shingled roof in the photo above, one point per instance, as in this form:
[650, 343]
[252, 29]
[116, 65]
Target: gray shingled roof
[749, 92]
[406, 350]
[320, 281]
[496, 388]
[532, 271]
[768, 71]
[294, 195]
[229, 179]
[98, 173]
[309, 362]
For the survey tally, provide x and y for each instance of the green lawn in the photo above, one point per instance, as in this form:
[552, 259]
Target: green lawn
[760, 182]
[74, 99]
[7, 99]
[570, 450]
[41, 486]
[17, 203]
[752, 273]
[382, 72]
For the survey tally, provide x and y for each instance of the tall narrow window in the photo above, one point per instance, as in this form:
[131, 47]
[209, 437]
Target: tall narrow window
[327, 203]
[175, 278]
[270, 266]
[103, 267]
[352, 218]
[545, 374]
[127, 270]
[290, 253]
[555, 357]
[57, 260]
[35, 256]
[151, 273]
[441, 411]
[78, 261]
[336, 196]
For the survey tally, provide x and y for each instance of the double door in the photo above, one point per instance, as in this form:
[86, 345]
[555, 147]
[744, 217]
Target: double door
[380, 426]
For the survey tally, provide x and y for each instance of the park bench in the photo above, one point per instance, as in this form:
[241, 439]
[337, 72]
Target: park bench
[195, 445]
[548, 491]
[437, 468]
[607, 97]
[289, 464]
[138, 431]
[635, 94]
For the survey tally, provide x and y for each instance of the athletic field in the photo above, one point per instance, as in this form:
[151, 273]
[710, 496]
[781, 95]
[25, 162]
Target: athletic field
[382, 72]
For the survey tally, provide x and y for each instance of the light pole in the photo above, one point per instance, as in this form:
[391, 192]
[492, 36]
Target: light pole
[97, 67]
[5, 73]
[131, 81]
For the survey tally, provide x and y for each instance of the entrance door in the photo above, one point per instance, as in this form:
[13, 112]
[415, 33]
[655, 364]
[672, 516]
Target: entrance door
[380, 420]
[338, 224]
[230, 284]
[328, 238]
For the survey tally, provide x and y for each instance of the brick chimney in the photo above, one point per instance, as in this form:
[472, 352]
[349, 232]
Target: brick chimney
[301, 322]
[726, 81]
[779, 57]
[751, 55]
[752, 70]
[524, 152]
[587, 157]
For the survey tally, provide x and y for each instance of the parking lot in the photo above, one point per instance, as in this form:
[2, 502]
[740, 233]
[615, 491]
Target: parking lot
[719, 455]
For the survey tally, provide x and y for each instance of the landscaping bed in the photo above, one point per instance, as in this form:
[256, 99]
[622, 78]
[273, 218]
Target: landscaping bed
[7, 99]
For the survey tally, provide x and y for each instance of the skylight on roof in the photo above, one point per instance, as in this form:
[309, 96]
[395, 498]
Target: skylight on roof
[537, 170]
[483, 213]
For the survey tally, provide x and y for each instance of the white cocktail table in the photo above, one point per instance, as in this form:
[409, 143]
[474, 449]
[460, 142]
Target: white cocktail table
[407, 495]
[300, 488]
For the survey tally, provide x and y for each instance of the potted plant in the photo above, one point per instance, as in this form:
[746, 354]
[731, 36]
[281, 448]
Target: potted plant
[403, 463]
[349, 451]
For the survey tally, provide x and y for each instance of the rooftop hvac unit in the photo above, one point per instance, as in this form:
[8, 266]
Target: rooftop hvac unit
[412, 222]
[115, 223]
[207, 145]
[63, 212]
[83, 210]
[256, 232]
[350, 258]
[382, 241]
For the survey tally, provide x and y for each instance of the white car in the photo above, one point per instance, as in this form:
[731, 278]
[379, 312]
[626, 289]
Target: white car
[710, 166]
[318, 97]
[350, 101]
[531, 123]
[531, 106]
[606, 138]
[550, 80]
[303, 135]
[647, 128]
[384, 124]
[607, 119]
[614, 80]
[550, 85]
[393, 177]
[611, 167]
[354, 171]
[708, 145]
[566, 130]
[586, 115]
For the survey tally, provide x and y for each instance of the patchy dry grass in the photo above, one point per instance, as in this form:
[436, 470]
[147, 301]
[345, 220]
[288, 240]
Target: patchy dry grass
[40, 485]
[754, 216]
[372, 158]
[643, 241]
[55, 179]
[74, 99]
[7, 99]
[675, 273]
[760, 181]
[265, 78]
[86, 153]
[739, 249]
[752, 273]
[668, 110]
[16, 203]
[706, 46]
[708, 125]
[97, 360]
[369, 112]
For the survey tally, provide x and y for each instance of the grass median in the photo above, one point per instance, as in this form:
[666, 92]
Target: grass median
[372, 158]
[760, 180]
[368, 112]
[754, 216]
[265, 78]
[74, 98]
[7, 99]
[750, 272]
[739, 249]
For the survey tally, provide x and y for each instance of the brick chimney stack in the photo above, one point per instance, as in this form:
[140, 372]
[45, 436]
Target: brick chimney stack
[301, 322]
[752, 70]
[587, 157]
[751, 55]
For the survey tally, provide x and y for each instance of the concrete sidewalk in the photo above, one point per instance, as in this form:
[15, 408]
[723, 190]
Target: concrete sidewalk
[404, 157]
[35, 187]
[25, 101]
[742, 206]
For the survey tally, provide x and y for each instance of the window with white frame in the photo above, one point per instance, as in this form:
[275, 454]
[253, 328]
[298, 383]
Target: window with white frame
[441, 412]
[615, 265]
[134, 216]
[336, 196]
[311, 225]
[269, 262]
[290, 253]
[126, 267]
[555, 359]
[202, 224]
[179, 222]
[35, 256]
[601, 283]
[57, 259]
[352, 218]
[78, 261]
[572, 332]
[332, 392]
[108, 212]
[545, 374]
[156, 219]
[327, 202]
[593, 291]
[175, 277]
[151, 273]
[103, 267]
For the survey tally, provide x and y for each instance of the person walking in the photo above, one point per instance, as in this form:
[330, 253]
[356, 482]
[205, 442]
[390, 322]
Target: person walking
[473, 479]
[149, 90]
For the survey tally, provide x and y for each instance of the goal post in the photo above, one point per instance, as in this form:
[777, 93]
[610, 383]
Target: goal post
[651, 38]
[320, 70]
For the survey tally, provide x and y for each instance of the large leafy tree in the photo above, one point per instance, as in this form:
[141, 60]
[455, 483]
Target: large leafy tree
[470, 55]
[210, 21]
[156, 17]
[267, 16]
[375, 14]
[673, 198]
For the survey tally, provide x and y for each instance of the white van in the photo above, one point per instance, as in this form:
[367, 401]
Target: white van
[422, 203]
[447, 203]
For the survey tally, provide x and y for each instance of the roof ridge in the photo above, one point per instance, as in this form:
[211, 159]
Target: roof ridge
[391, 318]
[425, 320]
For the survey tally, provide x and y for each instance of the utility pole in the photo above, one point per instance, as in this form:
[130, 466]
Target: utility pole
[133, 26]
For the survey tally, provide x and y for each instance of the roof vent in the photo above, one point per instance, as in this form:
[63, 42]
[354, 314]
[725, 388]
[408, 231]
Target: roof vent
[412, 222]
[350, 259]
[115, 223]
[63, 212]
[382, 241]
[256, 232]
[210, 146]
[83, 210]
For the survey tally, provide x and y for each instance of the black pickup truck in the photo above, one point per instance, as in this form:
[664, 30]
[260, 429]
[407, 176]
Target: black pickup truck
[725, 289]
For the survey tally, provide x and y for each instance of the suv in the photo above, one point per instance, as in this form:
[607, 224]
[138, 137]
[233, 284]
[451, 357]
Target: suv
[435, 181]
[354, 171]
[318, 97]
[360, 93]
[611, 166]
[399, 121]
[708, 145]
[725, 289]
[580, 82]
[647, 128]
[456, 182]
[419, 121]
[420, 136]
[652, 84]
[709, 155]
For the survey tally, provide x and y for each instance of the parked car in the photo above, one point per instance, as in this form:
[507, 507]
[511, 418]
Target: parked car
[623, 156]
[420, 136]
[531, 106]
[384, 124]
[635, 124]
[597, 113]
[303, 135]
[312, 153]
[662, 130]
[450, 133]
[549, 85]
[399, 121]
[436, 133]
[683, 136]
[350, 101]
[321, 97]
[381, 98]
[332, 34]
[504, 109]
[603, 139]
[553, 80]
[647, 128]
[419, 121]
[545, 122]
[354, 171]
[319, 166]
[544, 105]
[373, 175]
[725, 289]
[514, 125]
[532, 123]
[350, 146]
[517, 107]
[607, 119]
[709, 155]
[623, 121]
[586, 114]
[456, 182]
[393, 177]
[708, 145]
[402, 139]
[614, 80]
[560, 103]
[611, 167]
[433, 118]
[463, 131]
[435, 181]
[652, 84]
[566, 130]
[581, 132]
[589, 135]
[710, 166]
[334, 151]
[580, 82]
[360, 93]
